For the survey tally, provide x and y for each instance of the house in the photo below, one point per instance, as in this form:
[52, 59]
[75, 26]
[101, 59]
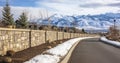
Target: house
[33, 25]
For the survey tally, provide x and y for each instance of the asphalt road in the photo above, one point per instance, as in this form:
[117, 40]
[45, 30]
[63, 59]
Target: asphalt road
[94, 51]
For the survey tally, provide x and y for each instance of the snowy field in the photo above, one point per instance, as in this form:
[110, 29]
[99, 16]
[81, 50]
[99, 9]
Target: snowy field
[54, 55]
[116, 43]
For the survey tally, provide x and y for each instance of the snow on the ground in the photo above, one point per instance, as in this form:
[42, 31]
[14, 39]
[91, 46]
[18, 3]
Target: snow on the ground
[62, 49]
[55, 54]
[116, 43]
[44, 59]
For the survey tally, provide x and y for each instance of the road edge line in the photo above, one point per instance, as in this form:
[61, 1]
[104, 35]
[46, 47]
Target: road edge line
[67, 57]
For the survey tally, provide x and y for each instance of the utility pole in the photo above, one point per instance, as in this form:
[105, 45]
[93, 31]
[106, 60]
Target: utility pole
[114, 23]
[114, 28]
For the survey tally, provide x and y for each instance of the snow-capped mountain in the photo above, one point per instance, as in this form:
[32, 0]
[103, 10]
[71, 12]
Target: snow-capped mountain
[102, 21]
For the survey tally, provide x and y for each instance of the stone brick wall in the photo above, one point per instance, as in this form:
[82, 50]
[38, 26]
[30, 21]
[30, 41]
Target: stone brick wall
[37, 37]
[60, 35]
[51, 35]
[13, 39]
[20, 39]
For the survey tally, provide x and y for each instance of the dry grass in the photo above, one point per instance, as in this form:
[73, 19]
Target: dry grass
[113, 34]
[24, 55]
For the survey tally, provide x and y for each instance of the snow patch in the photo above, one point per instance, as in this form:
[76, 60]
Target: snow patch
[116, 43]
[44, 59]
[55, 54]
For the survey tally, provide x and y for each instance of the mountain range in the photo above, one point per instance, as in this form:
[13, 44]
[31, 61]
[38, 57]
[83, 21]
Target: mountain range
[102, 21]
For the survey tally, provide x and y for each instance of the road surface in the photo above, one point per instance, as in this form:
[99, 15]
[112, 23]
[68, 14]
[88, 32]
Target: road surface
[94, 51]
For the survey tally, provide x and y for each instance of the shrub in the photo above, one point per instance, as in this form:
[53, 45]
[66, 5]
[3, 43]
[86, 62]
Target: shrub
[48, 42]
[7, 60]
[10, 53]
[113, 34]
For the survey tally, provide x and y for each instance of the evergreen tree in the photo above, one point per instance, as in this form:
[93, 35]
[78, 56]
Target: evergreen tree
[83, 30]
[7, 16]
[23, 20]
[18, 25]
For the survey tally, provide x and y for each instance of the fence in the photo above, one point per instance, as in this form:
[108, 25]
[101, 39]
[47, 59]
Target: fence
[20, 39]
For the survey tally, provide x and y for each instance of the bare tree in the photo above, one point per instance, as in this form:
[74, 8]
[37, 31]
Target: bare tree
[113, 33]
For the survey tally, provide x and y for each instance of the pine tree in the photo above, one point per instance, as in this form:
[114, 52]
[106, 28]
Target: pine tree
[83, 30]
[23, 20]
[7, 16]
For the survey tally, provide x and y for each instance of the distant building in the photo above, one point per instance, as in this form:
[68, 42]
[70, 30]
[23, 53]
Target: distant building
[32, 25]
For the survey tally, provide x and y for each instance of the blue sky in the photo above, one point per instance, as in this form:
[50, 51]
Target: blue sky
[23, 3]
[64, 7]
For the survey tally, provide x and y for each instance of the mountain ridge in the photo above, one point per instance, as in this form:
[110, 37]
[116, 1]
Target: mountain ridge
[102, 21]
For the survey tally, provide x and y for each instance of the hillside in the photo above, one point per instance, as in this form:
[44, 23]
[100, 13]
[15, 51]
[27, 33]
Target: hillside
[102, 21]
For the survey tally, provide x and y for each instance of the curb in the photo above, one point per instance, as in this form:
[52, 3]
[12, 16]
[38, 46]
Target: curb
[113, 43]
[66, 58]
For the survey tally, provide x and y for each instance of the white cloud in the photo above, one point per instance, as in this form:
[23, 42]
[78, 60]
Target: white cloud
[78, 1]
[0, 12]
[69, 7]
[32, 12]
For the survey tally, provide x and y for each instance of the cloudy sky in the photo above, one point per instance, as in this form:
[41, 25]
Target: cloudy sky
[64, 7]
